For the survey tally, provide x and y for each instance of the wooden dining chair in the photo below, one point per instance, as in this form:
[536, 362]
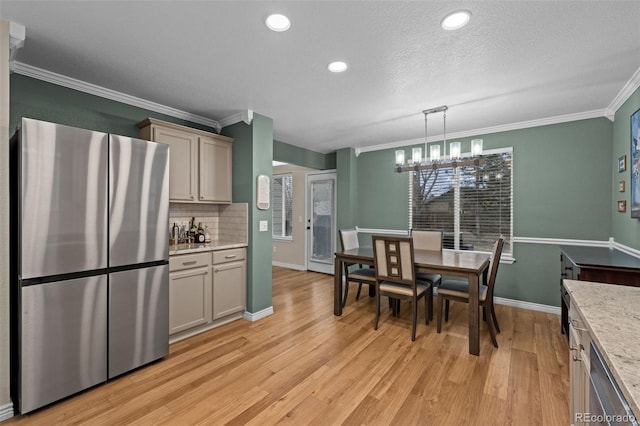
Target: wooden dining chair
[361, 275]
[458, 290]
[428, 240]
[396, 277]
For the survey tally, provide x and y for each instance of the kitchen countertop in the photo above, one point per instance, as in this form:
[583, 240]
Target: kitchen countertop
[197, 248]
[613, 319]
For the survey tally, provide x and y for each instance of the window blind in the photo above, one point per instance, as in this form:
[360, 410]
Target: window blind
[282, 205]
[472, 205]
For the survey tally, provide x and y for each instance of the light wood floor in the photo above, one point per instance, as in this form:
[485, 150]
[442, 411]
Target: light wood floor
[303, 365]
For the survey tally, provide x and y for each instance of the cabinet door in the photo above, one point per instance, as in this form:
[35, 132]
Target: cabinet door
[215, 170]
[189, 299]
[183, 162]
[575, 378]
[229, 283]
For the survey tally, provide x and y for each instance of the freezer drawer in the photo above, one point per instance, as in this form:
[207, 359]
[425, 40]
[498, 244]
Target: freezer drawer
[138, 318]
[64, 339]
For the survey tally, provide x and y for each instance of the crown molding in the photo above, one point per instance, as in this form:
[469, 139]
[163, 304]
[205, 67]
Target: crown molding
[92, 89]
[487, 130]
[245, 116]
[17, 34]
[632, 85]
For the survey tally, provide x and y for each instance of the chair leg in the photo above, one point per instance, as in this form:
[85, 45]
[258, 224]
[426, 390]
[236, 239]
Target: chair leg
[346, 292]
[492, 331]
[430, 301]
[493, 316]
[446, 310]
[415, 320]
[426, 310]
[375, 325]
[440, 306]
[359, 290]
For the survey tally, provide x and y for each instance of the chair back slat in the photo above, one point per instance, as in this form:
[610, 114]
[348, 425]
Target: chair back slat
[427, 240]
[349, 239]
[393, 258]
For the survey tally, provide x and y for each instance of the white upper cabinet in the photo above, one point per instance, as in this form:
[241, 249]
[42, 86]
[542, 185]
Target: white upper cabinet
[200, 162]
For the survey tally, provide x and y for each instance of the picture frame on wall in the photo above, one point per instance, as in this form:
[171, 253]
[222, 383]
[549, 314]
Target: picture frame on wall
[621, 186]
[622, 163]
[622, 206]
[634, 160]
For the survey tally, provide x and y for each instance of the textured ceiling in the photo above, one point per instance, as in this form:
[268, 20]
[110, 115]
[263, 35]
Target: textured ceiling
[515, 61]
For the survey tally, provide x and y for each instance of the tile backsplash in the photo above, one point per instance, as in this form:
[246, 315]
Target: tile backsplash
[225, 222]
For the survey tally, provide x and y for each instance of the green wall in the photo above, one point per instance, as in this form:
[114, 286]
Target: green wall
[38, 99]
[303, 157]
[252, 156]
[561, 187]
[347, 189]
[625, 229]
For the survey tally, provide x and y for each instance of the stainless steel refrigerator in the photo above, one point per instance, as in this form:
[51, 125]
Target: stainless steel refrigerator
[89, 259]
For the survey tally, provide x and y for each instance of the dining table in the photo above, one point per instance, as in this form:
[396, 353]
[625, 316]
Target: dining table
[473, 266]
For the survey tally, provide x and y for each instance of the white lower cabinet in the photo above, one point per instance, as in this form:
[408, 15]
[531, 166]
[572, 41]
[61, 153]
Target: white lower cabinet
[189, 291]
[229, 278]
[579, 365]
[205, 290]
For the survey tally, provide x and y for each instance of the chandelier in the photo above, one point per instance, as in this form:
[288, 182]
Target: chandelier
[435, 161]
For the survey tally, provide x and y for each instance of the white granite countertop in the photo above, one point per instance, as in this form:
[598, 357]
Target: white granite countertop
[197, 248]
[612, 314]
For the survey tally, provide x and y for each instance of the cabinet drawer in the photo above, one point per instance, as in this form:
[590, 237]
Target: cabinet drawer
[188, 261]
[232, 255]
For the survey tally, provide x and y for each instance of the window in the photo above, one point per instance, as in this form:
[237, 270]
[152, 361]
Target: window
[282, 193]
[472, 204]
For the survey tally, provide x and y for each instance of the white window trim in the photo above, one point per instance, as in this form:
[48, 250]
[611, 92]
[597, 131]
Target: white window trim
[282, 238]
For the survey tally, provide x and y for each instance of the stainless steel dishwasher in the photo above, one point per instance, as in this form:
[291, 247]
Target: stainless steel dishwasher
[606, 402]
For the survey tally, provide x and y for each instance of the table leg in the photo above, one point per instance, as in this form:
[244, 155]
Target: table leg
[337, 286]
[474, 321]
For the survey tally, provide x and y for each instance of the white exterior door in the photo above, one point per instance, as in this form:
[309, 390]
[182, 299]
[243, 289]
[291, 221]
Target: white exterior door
[321, 221]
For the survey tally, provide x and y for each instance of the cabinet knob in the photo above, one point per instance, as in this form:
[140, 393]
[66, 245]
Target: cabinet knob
[202, 197]
[575, 358]
[193, 197]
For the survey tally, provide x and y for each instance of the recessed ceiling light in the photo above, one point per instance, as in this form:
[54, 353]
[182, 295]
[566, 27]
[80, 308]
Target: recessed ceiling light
[456, 20]
[337, 66]
[277, 22]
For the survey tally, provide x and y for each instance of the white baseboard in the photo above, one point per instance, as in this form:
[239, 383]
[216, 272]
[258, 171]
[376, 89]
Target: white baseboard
[289, 266]
[255, 316]
[527, 305]
[6, 411]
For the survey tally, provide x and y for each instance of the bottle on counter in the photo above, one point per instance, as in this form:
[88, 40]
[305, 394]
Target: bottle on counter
[207, 234]
[193, 229]
[200, 234]
[175, 233]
